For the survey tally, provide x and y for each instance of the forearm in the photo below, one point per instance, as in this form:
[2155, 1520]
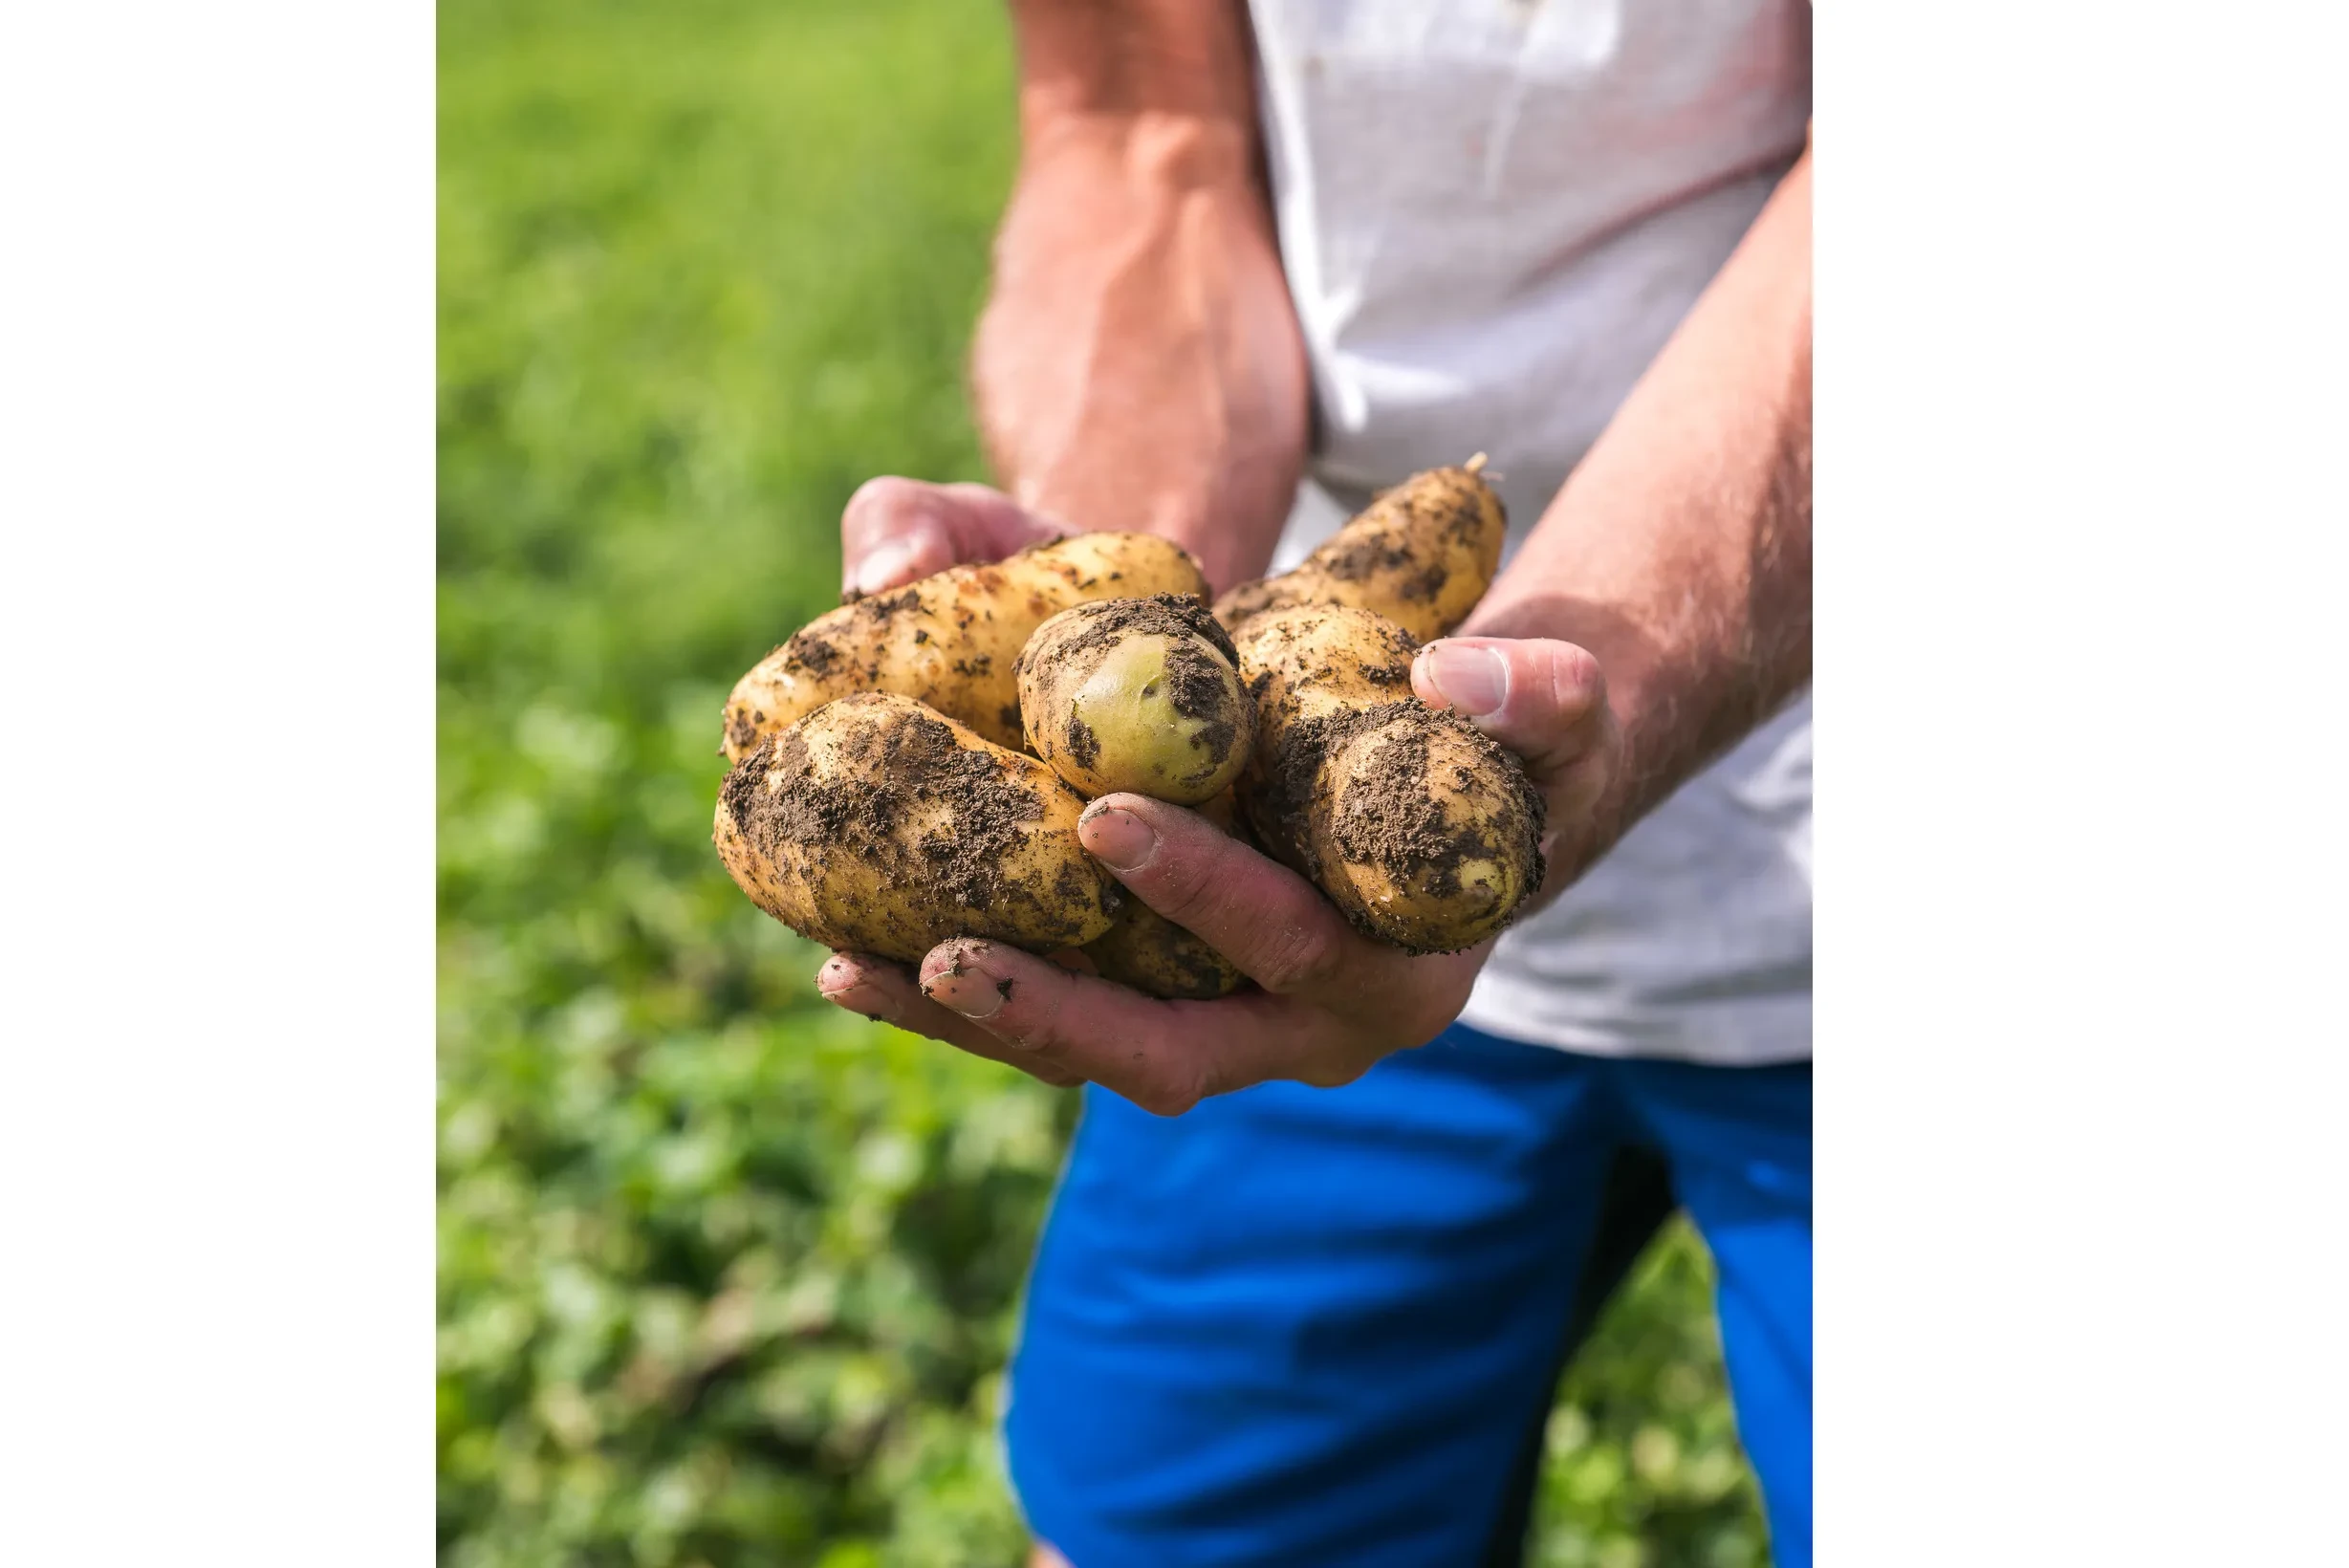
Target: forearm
[1679, 552]
[1139, 363]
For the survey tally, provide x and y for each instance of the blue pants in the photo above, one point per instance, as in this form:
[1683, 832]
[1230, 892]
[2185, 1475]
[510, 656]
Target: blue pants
[1317, 1327]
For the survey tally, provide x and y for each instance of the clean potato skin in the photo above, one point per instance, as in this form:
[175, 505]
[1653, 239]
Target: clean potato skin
[1422, 554]
[1137, 695]
[1147, 951]
[874, 824]
[950, 640]
[1414, 822]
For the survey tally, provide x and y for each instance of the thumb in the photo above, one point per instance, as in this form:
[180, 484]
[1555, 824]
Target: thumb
[1542, 699]
[896, 531]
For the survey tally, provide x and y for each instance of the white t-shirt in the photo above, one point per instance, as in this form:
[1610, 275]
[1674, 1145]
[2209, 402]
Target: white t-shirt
[1492, 213]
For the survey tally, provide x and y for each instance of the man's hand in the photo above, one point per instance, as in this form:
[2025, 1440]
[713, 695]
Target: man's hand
[1327, 1002]
[896, 531]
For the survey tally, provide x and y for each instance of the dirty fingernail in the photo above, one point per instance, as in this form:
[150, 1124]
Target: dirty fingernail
[1471, 681]
[969, 990]
[843, 984]
[1118, 839]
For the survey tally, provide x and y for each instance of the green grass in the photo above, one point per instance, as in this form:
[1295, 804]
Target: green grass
[727, 1277]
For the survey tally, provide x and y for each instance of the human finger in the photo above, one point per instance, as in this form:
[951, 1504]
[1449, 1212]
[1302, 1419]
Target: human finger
[1543, 699]
[886, 992]
[895, 531]
[1165, 1056]
[1273, 924]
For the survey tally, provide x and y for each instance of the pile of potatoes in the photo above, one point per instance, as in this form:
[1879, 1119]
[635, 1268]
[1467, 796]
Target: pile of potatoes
[911, 767]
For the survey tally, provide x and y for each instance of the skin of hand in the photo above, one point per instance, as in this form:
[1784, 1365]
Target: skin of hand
[1138, 365]
[1331, 1002]
[1684, 538]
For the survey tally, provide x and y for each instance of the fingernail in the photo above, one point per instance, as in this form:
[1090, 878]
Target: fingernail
[1118, 839]
[1471, 681]
[967, 989]
[841, 984]
[882, 567]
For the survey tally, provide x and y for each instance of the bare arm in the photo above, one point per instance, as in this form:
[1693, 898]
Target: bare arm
[1679, 552]
[1660, 608]
[1138, 365]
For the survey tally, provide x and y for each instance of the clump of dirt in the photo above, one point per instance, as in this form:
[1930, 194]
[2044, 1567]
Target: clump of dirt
[1388, 817]
[894, 770]
[1365, 555]
[1199, 683]
[1285, 777]
[1104, 621]
[818, 655]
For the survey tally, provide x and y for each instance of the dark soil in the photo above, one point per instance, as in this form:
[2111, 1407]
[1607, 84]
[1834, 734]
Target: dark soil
[1199, 682]
[893, 766]
[1389, 819]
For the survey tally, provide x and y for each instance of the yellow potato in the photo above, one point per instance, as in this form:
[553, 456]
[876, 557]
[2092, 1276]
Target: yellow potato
[950, 640]
[875, 825]
[1147, 951]
[1422, 554]
[1414, 822]
[1137, 695]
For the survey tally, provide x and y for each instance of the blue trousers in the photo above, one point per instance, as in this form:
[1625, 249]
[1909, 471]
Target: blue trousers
[1306, 1326]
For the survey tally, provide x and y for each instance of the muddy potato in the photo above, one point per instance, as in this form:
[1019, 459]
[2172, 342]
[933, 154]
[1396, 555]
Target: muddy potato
[1138, 695]
[1147, 951]
[1421, 829]
[950, 640]
[875, 825]
[1422, 554]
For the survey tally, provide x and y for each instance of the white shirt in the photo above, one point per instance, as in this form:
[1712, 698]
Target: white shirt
[1492, 213]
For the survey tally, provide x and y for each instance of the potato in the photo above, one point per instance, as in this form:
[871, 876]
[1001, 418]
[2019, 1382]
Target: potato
[875, 825]
[1418, 827]
[1147, 951]
[1422, 554]
[950, 640]
[1139, 694]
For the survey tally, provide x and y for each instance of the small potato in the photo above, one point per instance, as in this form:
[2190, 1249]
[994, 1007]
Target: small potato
[1422, 554]
[950, 640]
[1137, 694]
[875, 825]
[1418, 827]
[1147, 951]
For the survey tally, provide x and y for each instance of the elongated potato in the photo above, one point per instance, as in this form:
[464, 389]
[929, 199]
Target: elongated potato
[875, 825]
[950, 640]
[1151, 954]
[1137, 694]
[1422, 830]
[1422, 554]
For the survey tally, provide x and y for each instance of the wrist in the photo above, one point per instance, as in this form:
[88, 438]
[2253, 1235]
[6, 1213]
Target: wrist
[1139, 363]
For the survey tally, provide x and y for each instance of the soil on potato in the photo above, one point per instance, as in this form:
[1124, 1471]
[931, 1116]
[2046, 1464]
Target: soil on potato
[1443, 504]
[1196, 679]
[1148, 952]
[892, 767]
[1389, 818]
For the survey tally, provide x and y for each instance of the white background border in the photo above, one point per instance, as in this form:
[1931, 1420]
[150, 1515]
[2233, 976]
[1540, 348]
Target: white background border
[2080, 848]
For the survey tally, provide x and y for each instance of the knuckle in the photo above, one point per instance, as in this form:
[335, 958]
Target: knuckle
[1179, 885]
[1575, 681]
[1335, 1074]
[1167, 1097]
[1296, 958]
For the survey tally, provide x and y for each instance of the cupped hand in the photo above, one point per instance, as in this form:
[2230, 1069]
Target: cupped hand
[896, 531]
[1327, 1001]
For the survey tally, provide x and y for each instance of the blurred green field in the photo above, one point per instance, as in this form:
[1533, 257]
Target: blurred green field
[727, 1277]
